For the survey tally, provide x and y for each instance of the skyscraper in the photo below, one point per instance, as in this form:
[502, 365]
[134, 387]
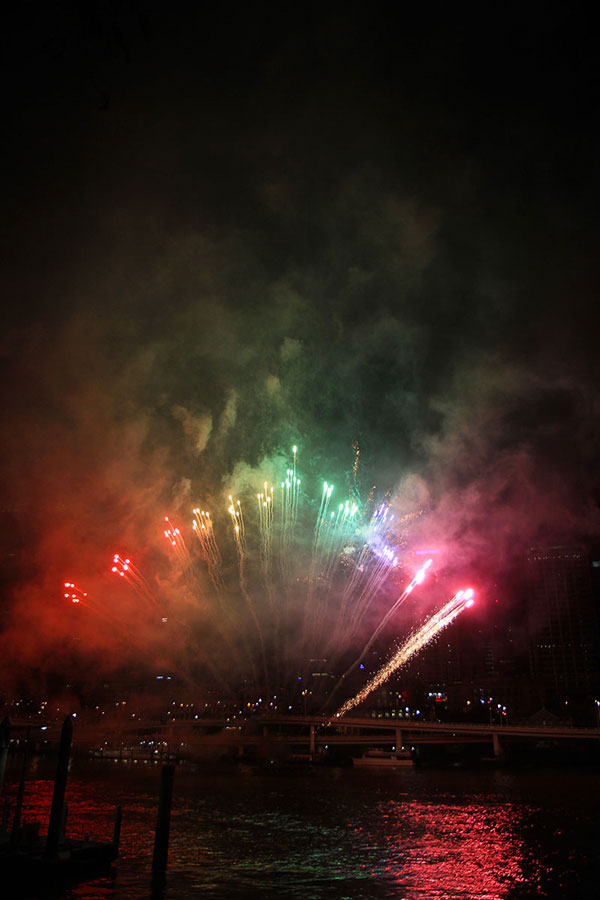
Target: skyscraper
[563, 624]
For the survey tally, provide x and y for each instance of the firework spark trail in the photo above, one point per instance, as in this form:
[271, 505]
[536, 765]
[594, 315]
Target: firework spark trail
[278, 532]
[332, 531]
[354, 490]
[239, 535]
[417, 580]
[265, 501]
[124, 568]
[121, 627]
[289, 510]
[239, 529]
[78, 596]
[265, 525]
[322, 517]
[341, 529]
[371, 569]
[74, 593]
[296, 481]
[351, 555]
[374, 575]
[174, 536]
[368, 578]
[203, 529]
[290, 500]
[461, 600]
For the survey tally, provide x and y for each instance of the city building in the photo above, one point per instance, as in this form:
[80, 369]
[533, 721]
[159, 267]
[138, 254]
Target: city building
[563, 626]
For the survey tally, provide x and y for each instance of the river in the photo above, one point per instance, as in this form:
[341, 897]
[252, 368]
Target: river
[432, 834]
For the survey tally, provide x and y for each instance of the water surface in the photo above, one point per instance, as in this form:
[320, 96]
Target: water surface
[451, 834]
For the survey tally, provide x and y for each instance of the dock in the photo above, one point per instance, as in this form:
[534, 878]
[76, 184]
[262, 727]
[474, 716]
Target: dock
[29, 859]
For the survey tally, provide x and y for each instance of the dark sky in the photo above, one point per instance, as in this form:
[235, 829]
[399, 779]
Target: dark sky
[233, 230]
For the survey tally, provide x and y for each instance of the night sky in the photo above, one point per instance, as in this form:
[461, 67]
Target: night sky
[251, 226]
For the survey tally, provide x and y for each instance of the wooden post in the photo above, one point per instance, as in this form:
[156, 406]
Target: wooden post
[5, 814]
[4, 741]
[163, 820]
[117, 828]
[60, 784]
[16, 826]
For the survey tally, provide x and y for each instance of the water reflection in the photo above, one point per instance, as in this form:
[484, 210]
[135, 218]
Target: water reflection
[449, 850]
[419, 835]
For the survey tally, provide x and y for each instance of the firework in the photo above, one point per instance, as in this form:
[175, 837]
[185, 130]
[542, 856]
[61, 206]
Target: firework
[374, 561]
[418, 579]
[265, 525]
[124, 568]
[175, 538]
[297, 583]
[74, 593]
[92, 604]
[290, 500]
[239, 536]
[312, 611]
[204, 531]
[334, 531]
[461, 600]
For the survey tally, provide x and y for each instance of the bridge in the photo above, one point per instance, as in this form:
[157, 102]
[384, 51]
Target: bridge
[299, 733]
[409, 732]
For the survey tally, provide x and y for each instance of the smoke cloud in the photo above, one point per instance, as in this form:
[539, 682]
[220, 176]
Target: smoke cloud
[207, 269]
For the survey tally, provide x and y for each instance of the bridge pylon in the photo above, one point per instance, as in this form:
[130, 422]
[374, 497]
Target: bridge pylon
[399, 739]
[498, 748]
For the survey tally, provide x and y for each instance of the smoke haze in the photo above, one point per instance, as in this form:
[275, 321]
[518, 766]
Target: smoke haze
[222, 243]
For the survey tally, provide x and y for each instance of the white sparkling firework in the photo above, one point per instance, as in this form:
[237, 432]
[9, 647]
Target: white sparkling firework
[461, 600]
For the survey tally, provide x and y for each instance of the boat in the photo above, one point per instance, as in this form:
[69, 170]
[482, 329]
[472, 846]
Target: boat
[384, 758]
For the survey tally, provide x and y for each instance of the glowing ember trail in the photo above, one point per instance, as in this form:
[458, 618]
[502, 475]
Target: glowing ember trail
[203, 529]
[304, 611]
[372, 563]
[174, 536]
[265, 524]
[308, 575]
[239, 535]
[91, 605]
[290, 498]
[417, 580]
[73, 593]
[124, 568]
[462, 600]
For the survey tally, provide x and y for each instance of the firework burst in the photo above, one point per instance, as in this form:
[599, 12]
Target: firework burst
[272, 588]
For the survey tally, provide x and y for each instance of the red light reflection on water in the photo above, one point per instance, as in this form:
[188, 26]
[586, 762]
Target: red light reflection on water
[89, 813]
[443, 852]
[239, 836]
